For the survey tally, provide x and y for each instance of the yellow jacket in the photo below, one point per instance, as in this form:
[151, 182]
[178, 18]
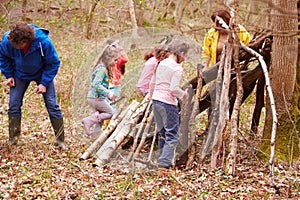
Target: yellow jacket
[210, 44]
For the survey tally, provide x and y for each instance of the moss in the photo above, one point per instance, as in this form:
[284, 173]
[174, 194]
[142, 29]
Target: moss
[286, 143]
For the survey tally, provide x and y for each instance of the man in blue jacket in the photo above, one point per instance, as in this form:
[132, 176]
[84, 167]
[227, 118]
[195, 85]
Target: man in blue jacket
[28, 54]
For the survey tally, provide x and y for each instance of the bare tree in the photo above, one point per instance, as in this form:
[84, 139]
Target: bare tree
[24, 5]
[90, 19]
[283, 80]
[132, 14]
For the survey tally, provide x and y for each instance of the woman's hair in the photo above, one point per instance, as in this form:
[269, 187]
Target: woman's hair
[21, 32]
[224, 14]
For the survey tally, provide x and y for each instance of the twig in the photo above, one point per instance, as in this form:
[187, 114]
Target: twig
[152, 145]
[76, 165]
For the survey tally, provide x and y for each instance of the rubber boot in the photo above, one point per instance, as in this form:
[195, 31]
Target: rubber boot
[14, 129]
[97, 130]
[89, 121]
[58, 126]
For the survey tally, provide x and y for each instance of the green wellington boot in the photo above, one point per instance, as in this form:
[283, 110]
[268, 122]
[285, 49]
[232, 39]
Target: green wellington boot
[14, 129]
[58, 126]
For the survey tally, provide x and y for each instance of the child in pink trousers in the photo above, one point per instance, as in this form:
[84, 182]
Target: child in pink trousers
[98, 91]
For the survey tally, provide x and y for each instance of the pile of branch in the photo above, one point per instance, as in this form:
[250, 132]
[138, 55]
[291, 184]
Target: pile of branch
[134, 122]
[122, 125]
[250, 78]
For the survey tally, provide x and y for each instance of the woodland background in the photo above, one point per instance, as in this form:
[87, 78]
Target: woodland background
[36, 169]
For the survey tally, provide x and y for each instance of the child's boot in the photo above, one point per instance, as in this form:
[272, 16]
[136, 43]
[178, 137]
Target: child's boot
[89, 121]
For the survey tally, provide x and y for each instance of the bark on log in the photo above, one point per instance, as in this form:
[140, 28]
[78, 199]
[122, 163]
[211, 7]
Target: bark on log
[221, 115]
[191, 122]
[260, 42]
[112, 143]
[185, 113]
[116, 119]
[231, 160]
[142, 126]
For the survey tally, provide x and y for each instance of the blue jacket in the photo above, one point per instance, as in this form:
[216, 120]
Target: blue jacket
[40, 63]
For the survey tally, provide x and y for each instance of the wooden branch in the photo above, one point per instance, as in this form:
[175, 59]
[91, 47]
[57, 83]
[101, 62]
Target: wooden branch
[272, 104]
[152, 144]
[142, 125]
[259, 104]
[195, 111]
[185, 113]
[230, 166]
[222, 114]
[146, 131]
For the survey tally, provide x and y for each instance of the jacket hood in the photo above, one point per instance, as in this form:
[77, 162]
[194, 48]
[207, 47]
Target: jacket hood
[40, 33]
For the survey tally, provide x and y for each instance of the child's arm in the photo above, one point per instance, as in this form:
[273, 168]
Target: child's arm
[152, 85]
[100, 82]
[175, 85]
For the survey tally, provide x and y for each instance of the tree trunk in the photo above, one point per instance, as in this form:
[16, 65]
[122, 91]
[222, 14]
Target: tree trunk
[178, 13]
[283, 81]
[24, 12]
[90, 19]
[132, 14]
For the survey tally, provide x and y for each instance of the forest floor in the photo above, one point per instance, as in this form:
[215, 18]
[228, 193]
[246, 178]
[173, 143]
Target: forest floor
[36, 169]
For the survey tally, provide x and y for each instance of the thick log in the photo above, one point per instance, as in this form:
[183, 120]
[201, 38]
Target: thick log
[249, 78]
[112, 143]
[259, 104]
[116, 119]
[217, 129]
[185, 113]
[260, 42]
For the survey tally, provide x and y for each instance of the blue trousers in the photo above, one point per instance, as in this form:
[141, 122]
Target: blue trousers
[166, 117]
[17, 94]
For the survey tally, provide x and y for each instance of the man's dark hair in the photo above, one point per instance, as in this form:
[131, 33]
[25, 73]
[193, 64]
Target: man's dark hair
[21, 32]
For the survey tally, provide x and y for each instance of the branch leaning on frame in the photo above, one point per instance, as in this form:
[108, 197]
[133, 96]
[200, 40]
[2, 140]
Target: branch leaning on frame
[271, 97]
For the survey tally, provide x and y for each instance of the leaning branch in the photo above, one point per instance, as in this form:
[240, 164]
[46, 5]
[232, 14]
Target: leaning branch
[272, 103]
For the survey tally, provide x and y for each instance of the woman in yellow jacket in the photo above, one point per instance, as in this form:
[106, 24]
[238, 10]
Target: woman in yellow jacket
[215, 38]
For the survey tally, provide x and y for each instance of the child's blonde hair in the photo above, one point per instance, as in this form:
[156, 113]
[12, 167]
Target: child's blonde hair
[108, 57]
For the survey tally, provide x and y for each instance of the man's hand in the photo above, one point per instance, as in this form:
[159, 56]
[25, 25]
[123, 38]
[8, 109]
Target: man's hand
[10, 82]
[40, 89]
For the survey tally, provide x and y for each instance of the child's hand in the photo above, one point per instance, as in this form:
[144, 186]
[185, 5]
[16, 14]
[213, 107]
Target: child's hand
[185, 96]
[111, 96]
